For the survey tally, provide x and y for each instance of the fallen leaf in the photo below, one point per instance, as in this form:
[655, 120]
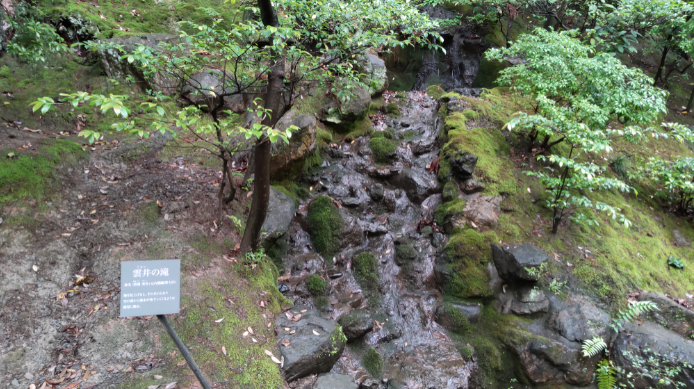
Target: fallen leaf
[304, 310]
[245, 334]
[219, 321]
[63, 301]
[315, 333]
[36, 268]
[296, 317]
[285, 342]
[159, 204]
[153, 387]
[277, 361]
[73, 385]
[157, 377]
[250, 330]
[292, 332]
[387, 251]
[529, 191]
[268, 352]
[249, 194]
[181, 363]
[254, 341]
[224, 350]
[287, 329]
[170, 386]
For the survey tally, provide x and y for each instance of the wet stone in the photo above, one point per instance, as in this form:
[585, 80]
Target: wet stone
[529, 301]
[334, 274]
[513, 260]
[350, 202]
[376, 192]
[463, 164]
[356, 324]
[334, 381]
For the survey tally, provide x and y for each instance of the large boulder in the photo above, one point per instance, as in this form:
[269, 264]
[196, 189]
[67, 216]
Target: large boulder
[343, 113]
[203, 89]
[315, 345]
[375, 70]
[115, 67]
[512, 261]
[578, 319]
[335, 381]
[417, 184]
[356, 324]
[280, 213]
[463, 164]
[547, 361]
[288, 157]
[670, 314]
[429, 365]
[662, 348]
[483, 211]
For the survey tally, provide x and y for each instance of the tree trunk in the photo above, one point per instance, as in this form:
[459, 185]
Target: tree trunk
[261, 182]
[659, 73]
[690, 104]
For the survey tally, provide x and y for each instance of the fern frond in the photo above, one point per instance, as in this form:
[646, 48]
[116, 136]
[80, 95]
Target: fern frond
[605, 375]
[591, 347]
[630, 314]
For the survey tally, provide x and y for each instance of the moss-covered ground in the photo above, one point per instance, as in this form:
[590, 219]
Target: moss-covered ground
[606, 259]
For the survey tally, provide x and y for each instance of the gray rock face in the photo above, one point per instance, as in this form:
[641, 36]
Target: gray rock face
[286, 157]
[547, 361]
[120, 69]
[529, 301]
[334, 381]
[512, 260]
[463, 164]
[579, 320]
[483, 211]
[280, 213]
[204, 87]
[307, 352]
[356, 324]
[680, 240]
[670, 314]
[429, 366]
[375, 70]
[652, 340]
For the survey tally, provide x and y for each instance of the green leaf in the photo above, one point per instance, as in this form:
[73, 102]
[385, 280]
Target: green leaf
[160, 110]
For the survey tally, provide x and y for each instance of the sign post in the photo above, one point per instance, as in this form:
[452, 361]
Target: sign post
[154, 288]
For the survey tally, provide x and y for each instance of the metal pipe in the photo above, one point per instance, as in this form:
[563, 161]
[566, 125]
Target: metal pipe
[184, 351]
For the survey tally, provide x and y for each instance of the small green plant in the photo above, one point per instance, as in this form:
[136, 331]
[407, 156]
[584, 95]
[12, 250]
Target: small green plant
[605, 375]
[238, 224]
[621, 165]
[538, 272]
[556, 286]
[675, 262]
[249, 182]
[592, 347]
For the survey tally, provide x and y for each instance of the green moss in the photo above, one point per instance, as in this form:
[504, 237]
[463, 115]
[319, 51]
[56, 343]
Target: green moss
[362, 127]
[466, 352]
[316, 285]
[366, 271]
[404, 250]
[325, 226]
[34, 175]
[435, 91]
[392, 109]
[5, 72]
[450, 191]
[388, 134]
[467, 254]
[373, 362]
[288, 192]
[245, 364]
[312, 161]
[446, 211]
[459, 322]
[383, 149]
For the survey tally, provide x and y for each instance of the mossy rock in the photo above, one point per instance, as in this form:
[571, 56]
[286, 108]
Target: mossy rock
[435, 91]
[447, 214]
[463, 267]
[373, 362]
[325, 226]
[450, 191]
[393, 109]
[316, 285]
[366, 271]
[388, 134]
[353, 130]
[383, 149]
[405, 251]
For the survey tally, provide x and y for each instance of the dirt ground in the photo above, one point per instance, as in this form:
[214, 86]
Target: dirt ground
[60, 275]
